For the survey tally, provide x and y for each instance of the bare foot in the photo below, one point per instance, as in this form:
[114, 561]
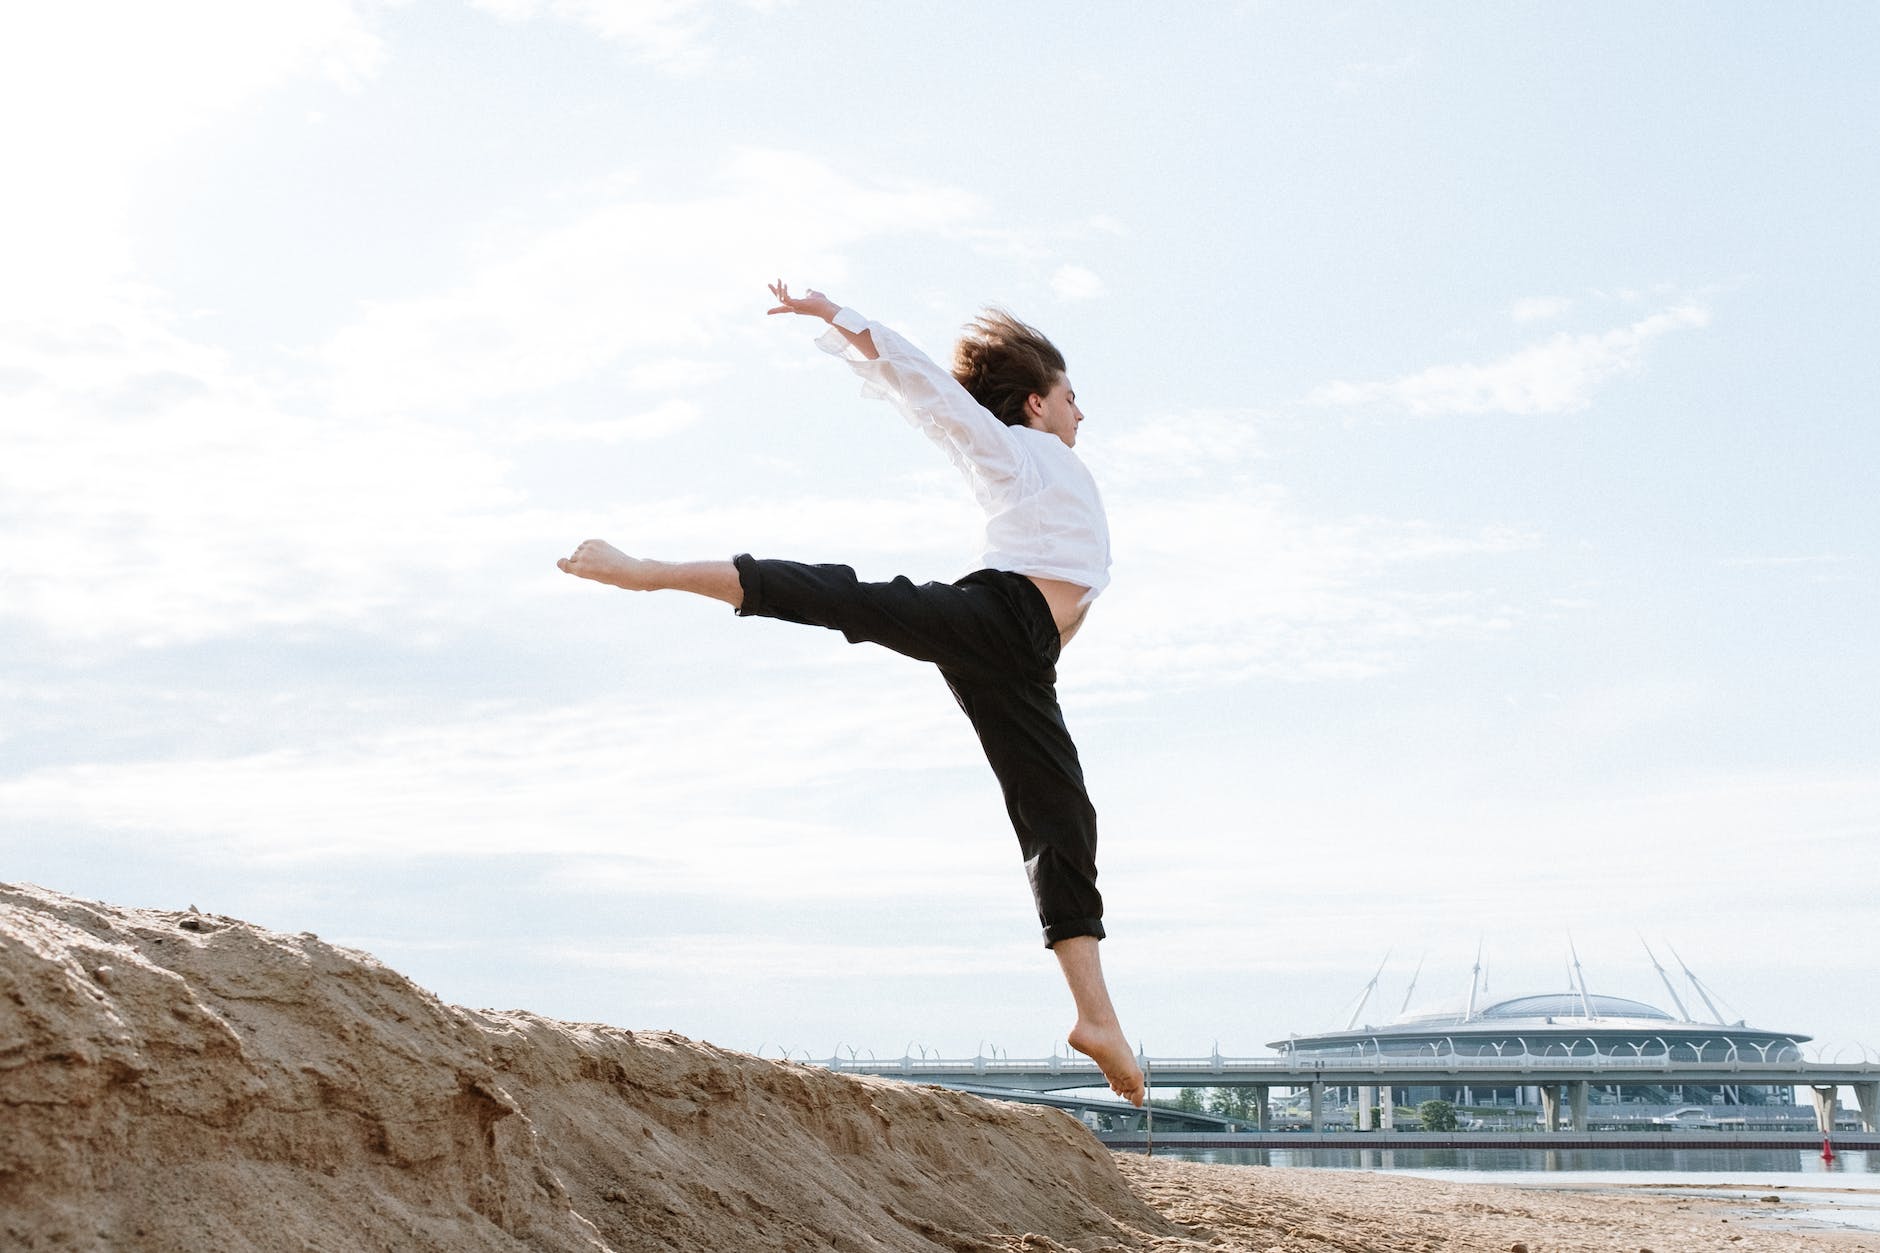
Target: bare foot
[598, 560]
[1110, 1051]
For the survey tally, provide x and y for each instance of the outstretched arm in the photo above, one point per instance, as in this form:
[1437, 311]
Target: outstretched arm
[927, 395]
[817, 305]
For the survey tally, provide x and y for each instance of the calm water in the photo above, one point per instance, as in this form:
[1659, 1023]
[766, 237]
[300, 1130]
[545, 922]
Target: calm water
[1554, 1167]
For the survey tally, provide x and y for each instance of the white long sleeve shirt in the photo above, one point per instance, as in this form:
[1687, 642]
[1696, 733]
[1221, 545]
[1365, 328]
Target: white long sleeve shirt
[1043, 514]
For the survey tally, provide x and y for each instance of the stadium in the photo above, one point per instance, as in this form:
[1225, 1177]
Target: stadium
[1574, 1023]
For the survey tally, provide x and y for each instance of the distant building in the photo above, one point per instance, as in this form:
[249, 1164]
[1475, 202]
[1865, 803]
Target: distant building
[1576, 1024]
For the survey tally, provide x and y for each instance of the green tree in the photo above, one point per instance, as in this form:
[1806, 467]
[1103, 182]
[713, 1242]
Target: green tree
[1189, 1101]
[1231, 1102]
[1437, 1116]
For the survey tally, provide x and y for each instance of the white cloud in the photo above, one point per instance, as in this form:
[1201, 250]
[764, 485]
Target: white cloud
[148, 483]
[91, 94]
[724, 792]
[631, 283]
[739, 955]
[1732, 915]
[1604, 714]
[1176, 449]
[1539, 308]
[1556, 376]
[1074, 282]
[1821, 562]
[676, 374]
[1220, 586]
[157, 491]
[666, 419]
[668, 33]
[154, 492]
[1220, 576]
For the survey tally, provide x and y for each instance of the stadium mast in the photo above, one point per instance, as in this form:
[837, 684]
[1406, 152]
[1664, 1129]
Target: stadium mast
[1666, 980]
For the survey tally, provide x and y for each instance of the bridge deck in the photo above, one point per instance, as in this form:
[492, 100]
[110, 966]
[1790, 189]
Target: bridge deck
[1806, 1141]
[1058, 1073]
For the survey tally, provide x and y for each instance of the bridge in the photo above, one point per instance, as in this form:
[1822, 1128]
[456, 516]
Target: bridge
[1121, 1113]
[1562, 1080]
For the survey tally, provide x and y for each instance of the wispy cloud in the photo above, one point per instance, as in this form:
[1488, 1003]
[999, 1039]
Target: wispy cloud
[1790, 561]
[665, 419]
[1171, 450]
[1222, 576]
[636, 788]
[1075, 282]
[671, 34]
[1558, 375]
[124, 87]
[1821, 817]
[1539, 308]
[157, 492]
[1226, 587]
[632, 283]
[786, 957]
[1818, 568]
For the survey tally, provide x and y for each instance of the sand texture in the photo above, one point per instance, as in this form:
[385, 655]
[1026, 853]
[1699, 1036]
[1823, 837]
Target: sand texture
[175, 1081]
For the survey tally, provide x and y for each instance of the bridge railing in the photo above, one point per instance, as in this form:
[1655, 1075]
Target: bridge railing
[1284, 1067]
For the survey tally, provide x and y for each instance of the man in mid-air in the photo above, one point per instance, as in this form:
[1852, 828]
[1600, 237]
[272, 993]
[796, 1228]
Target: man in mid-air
[1007, 416]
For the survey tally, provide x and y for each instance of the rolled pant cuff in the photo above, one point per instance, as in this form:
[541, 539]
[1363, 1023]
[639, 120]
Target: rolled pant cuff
[1071, 929]
[751, 579]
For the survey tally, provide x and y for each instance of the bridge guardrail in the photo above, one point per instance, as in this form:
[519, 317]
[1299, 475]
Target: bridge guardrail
[1454, 1063]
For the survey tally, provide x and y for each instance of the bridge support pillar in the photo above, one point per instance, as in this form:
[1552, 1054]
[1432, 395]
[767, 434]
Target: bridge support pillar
[1387, 1105]
[1578, 1090]
[1367, 1098]
[1550, 1106]
[1868, 1095]
[1262, 1107]
[1824, 1107]
[1318, 1106]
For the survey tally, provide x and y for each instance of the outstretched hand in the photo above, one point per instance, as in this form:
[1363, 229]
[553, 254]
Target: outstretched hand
[814, 305]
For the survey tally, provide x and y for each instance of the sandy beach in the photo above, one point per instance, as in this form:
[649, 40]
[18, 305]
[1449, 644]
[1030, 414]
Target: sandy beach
[180, 1080]
[1260, 1208]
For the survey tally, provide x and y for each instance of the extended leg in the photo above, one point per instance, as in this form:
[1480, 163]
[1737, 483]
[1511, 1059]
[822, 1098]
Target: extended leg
[1097, 1034]
[967, 625]
[598, 560]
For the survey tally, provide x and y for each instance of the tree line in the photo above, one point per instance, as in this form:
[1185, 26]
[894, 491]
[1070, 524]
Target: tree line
[1239, 1104]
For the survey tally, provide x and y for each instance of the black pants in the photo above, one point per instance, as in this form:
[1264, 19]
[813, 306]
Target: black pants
[992, 637]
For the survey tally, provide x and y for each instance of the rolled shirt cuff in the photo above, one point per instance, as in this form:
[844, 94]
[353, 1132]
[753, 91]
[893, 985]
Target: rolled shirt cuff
[848, 320]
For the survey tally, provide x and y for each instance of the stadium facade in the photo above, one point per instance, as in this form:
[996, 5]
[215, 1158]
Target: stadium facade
[1575, 1023]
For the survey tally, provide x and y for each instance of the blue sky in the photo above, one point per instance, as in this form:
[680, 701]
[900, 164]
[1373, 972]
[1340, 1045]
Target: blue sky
[1483, 396]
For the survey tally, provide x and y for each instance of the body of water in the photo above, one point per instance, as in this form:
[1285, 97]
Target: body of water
[1851, 1169]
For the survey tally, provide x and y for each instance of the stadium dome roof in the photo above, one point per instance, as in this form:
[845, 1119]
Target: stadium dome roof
[1569, 1005]
[1550, 1005]
[1532, 1021]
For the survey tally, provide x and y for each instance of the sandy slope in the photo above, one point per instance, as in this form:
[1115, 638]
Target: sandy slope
[172, 1081]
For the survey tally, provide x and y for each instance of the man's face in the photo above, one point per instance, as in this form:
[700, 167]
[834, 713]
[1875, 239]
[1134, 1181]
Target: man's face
[1056, 412]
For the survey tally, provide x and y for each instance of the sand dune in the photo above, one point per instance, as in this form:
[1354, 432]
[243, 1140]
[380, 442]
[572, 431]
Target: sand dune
[187, 1081]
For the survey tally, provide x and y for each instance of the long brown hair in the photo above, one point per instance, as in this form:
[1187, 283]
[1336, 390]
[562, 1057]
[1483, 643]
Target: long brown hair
[1003, 362]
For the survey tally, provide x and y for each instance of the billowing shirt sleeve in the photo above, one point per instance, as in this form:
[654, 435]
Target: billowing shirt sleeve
[931, 399]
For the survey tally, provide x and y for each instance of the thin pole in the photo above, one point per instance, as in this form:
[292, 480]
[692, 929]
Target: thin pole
[1148, 1105]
